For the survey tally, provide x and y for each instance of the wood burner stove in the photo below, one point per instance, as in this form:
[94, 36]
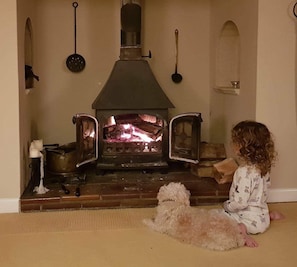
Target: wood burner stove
[130, 128]
[137, 139]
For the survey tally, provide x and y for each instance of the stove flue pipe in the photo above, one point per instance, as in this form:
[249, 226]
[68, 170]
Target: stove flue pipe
[130, 30]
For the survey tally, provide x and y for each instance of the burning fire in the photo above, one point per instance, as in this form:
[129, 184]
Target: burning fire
[136, 129]
[131, 134]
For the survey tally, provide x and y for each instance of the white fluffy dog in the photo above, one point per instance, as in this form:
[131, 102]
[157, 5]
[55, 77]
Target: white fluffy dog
[210, 229]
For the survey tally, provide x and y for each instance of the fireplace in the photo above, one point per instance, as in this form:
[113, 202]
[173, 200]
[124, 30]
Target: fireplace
[133, 140]
[136, 139]
[131, 125]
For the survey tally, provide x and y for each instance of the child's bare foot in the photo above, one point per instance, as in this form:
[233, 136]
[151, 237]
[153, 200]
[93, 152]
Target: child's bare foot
[275, 215]
[249, 241]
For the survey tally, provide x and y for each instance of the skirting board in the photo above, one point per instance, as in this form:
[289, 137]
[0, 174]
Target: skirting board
[282, 195]
[9, 205]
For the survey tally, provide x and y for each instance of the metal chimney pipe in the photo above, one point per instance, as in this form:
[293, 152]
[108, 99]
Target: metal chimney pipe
[130, 31]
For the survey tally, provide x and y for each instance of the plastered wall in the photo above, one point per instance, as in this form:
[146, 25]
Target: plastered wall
[268, 70]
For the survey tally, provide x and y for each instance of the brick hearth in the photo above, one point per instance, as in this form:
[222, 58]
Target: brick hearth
[121, 190]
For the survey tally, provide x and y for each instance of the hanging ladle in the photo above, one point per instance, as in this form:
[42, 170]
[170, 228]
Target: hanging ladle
[176, 77]
[75, 62]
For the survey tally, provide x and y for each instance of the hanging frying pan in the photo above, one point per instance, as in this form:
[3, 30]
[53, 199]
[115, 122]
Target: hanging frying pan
[75, 62]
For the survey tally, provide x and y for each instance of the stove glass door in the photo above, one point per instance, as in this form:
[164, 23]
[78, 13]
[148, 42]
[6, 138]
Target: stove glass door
[86, 138]
[184, 137]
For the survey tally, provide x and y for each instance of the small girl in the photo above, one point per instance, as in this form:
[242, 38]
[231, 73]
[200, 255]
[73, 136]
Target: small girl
[252, 143]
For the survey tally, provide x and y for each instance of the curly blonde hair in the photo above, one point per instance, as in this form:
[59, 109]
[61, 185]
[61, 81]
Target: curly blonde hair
[255, 143]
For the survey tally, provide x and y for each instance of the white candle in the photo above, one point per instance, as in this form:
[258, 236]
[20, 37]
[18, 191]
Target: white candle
[34, 153]
[41, 166]
[38, 144]
[35, 149]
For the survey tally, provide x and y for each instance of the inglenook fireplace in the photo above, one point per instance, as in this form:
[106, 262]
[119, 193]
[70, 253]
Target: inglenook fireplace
[130, 128]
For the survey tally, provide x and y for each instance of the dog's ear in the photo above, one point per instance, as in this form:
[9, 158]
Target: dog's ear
[162, 193]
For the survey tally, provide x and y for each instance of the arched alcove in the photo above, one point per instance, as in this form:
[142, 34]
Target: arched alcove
[29, 81]
[228, 59]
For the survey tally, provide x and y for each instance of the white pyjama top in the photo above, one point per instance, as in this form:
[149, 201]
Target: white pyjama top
[247, 202]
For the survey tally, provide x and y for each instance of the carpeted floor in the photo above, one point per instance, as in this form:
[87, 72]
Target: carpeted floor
[118, 238]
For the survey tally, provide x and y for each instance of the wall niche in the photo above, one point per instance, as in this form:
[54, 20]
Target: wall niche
[227, 76]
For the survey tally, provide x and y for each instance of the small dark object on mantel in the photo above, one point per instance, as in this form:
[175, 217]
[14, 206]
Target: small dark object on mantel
[29, 73]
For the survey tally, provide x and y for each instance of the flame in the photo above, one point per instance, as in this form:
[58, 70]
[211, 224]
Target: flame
[92, 134]
[143, 137]
[130, 131]
[89, 133]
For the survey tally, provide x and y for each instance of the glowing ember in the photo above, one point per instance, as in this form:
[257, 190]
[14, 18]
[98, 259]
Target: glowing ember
[131, 134]
[133, 128]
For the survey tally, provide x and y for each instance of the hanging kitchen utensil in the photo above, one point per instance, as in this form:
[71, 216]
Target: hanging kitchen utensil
[176, 77]
[75, 62]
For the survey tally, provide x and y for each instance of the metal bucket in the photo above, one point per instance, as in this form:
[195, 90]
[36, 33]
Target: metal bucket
[62, 160]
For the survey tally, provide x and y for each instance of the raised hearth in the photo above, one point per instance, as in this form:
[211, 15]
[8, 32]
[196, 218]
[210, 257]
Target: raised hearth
[121, 189]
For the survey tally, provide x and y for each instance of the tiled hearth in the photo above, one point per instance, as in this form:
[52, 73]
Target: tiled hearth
[121, 189]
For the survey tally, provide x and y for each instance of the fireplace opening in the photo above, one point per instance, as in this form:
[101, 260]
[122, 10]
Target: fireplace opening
[139, 139]
[133, 133]
[132, 139]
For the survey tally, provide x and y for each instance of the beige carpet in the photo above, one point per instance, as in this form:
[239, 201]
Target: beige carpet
[117, 238]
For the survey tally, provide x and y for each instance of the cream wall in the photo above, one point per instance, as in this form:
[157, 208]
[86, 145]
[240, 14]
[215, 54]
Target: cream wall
[25, 10]
[60, 93]
[9, 107]
[267, 73]
[228, 109]
[268, 81]
[276, 86]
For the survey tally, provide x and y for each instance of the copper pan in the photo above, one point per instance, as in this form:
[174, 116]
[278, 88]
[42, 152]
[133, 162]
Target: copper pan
[62, 160]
